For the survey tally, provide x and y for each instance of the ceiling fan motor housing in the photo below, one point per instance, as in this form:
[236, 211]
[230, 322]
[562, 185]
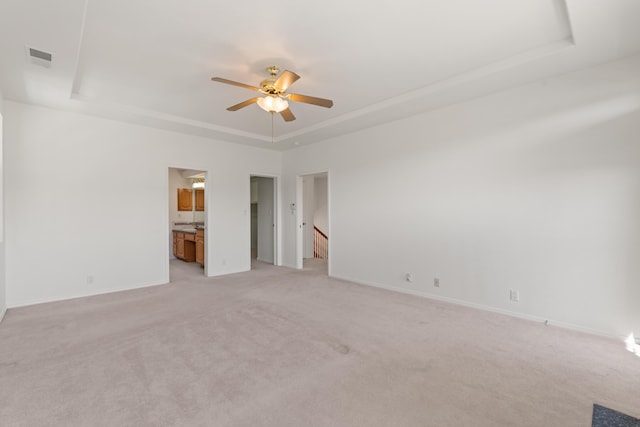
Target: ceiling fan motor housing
[268, 86]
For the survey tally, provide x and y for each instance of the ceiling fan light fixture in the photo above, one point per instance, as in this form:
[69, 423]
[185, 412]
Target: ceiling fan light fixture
[273, 104]
[198, 183]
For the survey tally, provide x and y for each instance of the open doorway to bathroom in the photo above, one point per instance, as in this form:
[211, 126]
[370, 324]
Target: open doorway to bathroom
[263, 220]
[313, 237]
[187, 223]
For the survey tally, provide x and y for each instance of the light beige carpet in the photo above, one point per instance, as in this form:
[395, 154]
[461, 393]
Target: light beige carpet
[278, 347]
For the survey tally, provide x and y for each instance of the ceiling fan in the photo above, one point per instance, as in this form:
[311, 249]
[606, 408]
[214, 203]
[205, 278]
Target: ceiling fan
[275, 99]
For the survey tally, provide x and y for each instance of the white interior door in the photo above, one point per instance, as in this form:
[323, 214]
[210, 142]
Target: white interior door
[266, 222]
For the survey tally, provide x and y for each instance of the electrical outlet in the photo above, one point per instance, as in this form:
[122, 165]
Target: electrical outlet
[89, 279]
[514, 295]
[408, 277]
[436, 282]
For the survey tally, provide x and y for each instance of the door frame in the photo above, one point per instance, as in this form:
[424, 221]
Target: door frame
[300, 219]
[168, 217]
[277, 244]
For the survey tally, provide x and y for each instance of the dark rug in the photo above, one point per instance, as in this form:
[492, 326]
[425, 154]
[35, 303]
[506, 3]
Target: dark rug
[605, 417]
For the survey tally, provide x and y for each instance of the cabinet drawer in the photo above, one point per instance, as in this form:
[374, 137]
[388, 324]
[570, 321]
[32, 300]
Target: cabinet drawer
[179, 236]
[191, 237]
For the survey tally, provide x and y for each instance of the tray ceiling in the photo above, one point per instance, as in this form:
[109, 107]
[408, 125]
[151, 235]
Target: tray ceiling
[150, 62]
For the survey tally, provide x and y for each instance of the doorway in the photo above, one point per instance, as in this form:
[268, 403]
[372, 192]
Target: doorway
[187, 223]
[263, 220]
[313, 219]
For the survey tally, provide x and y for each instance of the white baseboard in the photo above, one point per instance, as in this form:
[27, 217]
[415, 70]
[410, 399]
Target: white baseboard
[525, 316]
[88, 294]
[3, 311]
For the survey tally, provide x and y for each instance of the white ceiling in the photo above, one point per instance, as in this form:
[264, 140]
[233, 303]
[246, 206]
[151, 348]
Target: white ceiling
[151, 61]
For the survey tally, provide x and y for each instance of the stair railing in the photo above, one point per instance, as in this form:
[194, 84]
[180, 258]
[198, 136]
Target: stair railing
[320, 244]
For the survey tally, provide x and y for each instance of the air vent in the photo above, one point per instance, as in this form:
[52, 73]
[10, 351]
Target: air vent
[39, 57]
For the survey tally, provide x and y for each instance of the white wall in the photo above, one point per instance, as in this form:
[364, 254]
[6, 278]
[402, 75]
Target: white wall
[321, 213]
[535, 189]
[308, 211]
[176, 180]
[88, 197]
[254, 190]
[3, 298]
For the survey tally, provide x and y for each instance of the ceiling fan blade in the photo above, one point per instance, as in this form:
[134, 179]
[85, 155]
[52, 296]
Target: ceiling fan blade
[286, 79]
[327, 103]
[231, 82]
[287, 115]
[243, 104]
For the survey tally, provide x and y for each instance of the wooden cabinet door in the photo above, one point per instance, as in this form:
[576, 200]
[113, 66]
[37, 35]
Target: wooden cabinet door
[199, 200]
[175, 245]
[184, 199]
[200, 247]
[180, 252]
[189, 251]
[179, 245]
